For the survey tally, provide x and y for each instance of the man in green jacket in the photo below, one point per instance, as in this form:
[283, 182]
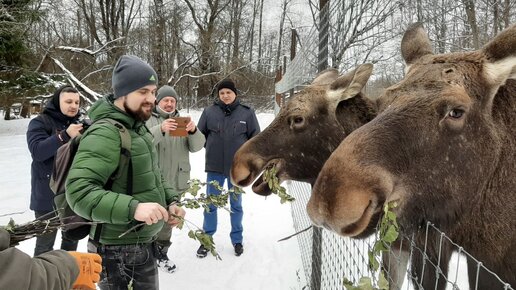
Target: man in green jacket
[53, 270]
[130, 214]
[173, 158]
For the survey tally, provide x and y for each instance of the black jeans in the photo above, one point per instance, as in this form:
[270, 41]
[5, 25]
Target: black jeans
[123, 265]
[45, 243]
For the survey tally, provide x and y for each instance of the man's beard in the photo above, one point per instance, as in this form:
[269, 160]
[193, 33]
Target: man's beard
[138, 115]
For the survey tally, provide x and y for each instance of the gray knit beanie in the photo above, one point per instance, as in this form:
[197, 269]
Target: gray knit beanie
[131, 73]
[166, 91]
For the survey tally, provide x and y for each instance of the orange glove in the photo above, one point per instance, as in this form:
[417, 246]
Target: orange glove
[90, 266]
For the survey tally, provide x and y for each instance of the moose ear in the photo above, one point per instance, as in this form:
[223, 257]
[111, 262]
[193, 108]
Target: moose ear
[326, 77]
[351, 83]
[415, 43]
[501, 57]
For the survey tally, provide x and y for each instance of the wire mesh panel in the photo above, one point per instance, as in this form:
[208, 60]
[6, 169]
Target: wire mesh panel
[429, 259]
[339, 257]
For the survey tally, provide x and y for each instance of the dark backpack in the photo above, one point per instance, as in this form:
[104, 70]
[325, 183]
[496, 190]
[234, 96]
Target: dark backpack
[76, 227]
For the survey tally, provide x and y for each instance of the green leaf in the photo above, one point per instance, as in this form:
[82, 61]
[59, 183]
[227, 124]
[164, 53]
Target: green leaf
[365, 283]
[379, 246]
[391, 235]
[349, 285]
[373, 263]
[272, 180]
[391, 216]
[191, 234]
[383, 284]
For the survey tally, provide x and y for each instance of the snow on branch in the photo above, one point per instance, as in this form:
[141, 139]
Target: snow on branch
[106, 67]
[214, 73]
[92, 96]
[195, 76]
[88, 51]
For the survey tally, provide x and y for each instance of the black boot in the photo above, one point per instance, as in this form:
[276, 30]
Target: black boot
[239, 249]
[202, 252]
[164, 263]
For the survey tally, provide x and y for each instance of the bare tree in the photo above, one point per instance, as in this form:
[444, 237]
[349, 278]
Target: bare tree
[357, 24]
[251, 31]
[159, 29]
[237, 6]
[260, 36]
[506, 13]
[284, 7]
[116, 20]
[205, 19]
[469, 6]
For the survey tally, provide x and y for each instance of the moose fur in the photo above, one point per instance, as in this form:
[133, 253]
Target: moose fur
[443, 146]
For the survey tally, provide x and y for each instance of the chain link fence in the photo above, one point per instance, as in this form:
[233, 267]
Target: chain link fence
[330, 259]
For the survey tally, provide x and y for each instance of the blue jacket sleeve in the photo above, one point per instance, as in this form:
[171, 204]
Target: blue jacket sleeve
[42, 146]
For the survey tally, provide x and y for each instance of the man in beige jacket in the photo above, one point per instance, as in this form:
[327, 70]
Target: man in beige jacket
[174, 157]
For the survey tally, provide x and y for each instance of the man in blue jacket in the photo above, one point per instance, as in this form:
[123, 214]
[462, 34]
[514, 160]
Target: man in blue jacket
[55, 126]
[227, 125]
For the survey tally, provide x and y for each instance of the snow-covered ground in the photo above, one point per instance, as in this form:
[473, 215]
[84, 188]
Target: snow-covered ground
[265, 264]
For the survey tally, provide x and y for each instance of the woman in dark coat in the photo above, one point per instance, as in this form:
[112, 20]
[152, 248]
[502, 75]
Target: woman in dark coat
[55, 126]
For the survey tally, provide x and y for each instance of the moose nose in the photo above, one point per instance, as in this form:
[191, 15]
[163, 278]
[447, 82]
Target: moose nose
[240, 174]
[316, 212]
[245, 167]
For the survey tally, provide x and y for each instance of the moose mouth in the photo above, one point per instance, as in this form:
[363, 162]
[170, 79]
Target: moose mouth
[371, 217]
[260, 186]
[367, 224]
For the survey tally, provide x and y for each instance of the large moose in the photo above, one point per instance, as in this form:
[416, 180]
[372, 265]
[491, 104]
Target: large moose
[304, 134]
[443, 146]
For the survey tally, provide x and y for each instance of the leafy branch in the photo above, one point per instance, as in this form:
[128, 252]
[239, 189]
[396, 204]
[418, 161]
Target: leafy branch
[269, 176]
[51, 221]
[47, 223]
[388, 232]
[203, 200]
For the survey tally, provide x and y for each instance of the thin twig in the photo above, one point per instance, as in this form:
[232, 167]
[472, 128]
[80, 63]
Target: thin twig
[13, 213]
[295, 234]
[131, 229]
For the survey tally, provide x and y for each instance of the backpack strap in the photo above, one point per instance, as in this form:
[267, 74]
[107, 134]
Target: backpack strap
[125, 161]
[125, 149]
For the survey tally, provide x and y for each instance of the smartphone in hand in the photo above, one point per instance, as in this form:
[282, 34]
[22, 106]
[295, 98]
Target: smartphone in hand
[181, 126]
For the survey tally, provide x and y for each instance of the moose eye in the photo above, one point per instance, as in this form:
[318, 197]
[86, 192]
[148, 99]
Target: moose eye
[297, 122]
[456, 113]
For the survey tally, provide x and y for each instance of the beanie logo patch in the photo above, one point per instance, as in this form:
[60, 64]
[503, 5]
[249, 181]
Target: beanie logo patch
[152, 78]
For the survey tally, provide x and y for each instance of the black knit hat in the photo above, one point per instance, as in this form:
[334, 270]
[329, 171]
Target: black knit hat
[227, 84]
[166, 91]
[131, 73]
